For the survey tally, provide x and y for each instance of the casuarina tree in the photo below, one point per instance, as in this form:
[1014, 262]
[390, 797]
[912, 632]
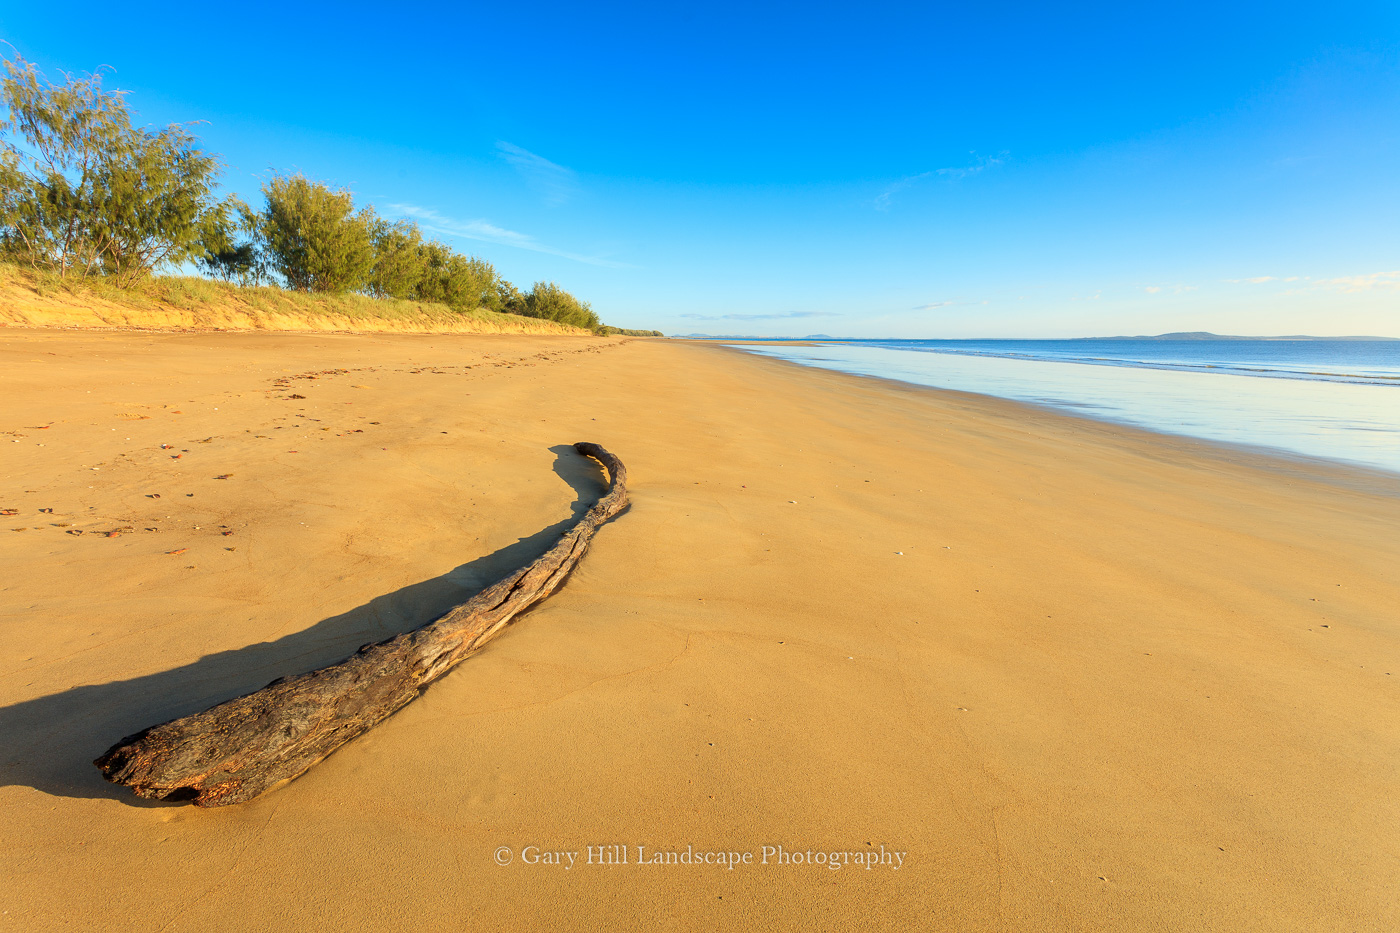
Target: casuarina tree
[313, 236]
[84, 191]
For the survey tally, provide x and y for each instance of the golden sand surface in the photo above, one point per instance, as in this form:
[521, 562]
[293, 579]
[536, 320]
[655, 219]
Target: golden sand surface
[1078, 676]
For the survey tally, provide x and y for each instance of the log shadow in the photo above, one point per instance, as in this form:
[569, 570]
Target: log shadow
[49, 743]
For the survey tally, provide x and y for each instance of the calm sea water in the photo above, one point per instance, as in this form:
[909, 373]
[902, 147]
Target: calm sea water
[1337, 399]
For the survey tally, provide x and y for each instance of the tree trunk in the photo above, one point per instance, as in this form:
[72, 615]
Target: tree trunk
[237, 750]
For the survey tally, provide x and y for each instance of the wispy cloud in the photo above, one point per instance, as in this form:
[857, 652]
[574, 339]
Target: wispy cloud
[1374, 282]
[1263, 279]
[487, 232]
[1351, 284]
[932, 306]
[554, 183]
[882, 200]
[760, 317]
[1177, 289]
[980, 164]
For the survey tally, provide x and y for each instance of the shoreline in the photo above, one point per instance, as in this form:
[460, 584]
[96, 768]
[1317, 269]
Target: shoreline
[1381, 472]
[1082, 675]
[1277, 460]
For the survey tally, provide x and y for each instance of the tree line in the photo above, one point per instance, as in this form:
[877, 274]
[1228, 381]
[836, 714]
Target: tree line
[86, 192]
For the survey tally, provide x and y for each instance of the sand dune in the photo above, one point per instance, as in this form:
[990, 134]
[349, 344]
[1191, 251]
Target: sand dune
[173, 303]
[1079, 677]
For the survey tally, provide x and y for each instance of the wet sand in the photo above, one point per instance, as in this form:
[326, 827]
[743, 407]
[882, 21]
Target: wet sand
[1079, 677]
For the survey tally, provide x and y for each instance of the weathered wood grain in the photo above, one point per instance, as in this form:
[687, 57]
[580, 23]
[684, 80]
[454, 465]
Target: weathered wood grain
[242, 748]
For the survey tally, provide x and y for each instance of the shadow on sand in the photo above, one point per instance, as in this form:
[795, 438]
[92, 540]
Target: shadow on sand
[49, 743]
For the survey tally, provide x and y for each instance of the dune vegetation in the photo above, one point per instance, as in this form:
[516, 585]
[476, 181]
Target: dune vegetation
[93, 207]
[39, 298]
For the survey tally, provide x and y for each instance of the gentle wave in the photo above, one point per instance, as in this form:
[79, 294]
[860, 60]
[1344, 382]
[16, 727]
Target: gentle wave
[1366, 362]
[1347, 413]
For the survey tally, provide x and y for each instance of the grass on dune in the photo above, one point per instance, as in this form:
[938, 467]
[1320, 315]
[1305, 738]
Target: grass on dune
[210, 303]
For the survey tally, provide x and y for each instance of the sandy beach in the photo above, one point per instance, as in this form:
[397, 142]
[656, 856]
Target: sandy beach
[1066, 675]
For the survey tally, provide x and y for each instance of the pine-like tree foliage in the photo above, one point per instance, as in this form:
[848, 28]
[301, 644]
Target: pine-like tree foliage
[398, 267]
[313, 238]
[547, 300]
[460, 282]
[232, 246]
[232, 263]
[511, 299]
[158, 205]
[82, 190]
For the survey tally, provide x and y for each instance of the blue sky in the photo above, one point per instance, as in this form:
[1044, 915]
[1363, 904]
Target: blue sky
[855, 170]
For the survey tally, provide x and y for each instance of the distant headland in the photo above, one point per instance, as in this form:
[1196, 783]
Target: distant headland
[1207, 335]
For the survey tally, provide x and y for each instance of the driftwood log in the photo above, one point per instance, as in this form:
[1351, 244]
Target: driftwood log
[239, 749]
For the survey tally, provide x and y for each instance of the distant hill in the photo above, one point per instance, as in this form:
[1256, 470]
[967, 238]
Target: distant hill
[1206, 335]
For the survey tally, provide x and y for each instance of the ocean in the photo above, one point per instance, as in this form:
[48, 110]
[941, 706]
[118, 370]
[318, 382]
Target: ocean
[1334, 399]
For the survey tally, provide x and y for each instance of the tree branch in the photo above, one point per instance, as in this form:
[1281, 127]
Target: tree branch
[239, 749]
